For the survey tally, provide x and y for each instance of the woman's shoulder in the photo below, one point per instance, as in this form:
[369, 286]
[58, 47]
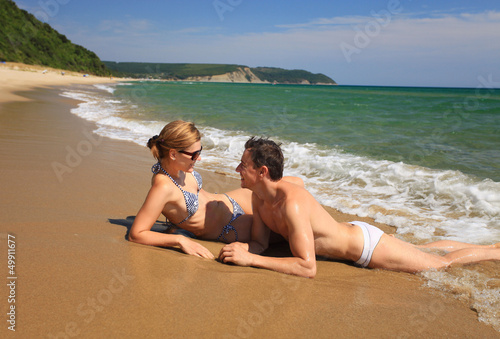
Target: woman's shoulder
[163, 184]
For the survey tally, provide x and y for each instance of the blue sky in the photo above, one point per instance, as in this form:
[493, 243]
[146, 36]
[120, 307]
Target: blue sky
[389, 43]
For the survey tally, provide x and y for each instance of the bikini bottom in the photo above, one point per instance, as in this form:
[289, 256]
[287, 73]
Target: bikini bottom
[237, 212]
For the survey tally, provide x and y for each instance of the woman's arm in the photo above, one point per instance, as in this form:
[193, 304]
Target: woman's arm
[141, 233]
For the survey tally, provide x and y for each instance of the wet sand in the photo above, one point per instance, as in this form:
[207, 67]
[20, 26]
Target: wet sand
[69, 198]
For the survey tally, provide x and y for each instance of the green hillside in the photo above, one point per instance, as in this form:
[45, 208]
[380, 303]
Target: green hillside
[25, 39]
[167, 70]
[295, 76]
[184, 71]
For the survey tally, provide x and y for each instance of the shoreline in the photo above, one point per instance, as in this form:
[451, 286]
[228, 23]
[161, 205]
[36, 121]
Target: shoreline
[78, 275]
[22, 77]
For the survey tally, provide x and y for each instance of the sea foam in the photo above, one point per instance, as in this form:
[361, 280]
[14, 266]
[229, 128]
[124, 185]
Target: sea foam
[481, 291]
[425, 203]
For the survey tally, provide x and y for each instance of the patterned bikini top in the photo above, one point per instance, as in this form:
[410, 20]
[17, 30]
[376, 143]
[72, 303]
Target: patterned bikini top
[191, 199]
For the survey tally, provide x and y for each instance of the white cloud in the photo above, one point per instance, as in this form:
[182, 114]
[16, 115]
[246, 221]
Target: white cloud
[402, 46]
[432, 36]
[124, 27]
[196, 30]
[348, 20]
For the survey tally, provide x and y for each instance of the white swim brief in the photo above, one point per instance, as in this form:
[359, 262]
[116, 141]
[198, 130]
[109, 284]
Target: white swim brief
[371, 236]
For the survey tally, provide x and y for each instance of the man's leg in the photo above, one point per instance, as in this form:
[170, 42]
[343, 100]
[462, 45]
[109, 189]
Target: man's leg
[394, 254]
[450, 245]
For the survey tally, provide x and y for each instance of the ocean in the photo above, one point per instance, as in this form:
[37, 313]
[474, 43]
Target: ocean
[424, 160]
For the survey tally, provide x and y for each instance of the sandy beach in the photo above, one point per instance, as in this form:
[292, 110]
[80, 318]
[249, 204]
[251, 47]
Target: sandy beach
[68, 199]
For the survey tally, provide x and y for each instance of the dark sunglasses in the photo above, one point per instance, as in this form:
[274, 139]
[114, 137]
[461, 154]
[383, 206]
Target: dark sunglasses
[193, 155]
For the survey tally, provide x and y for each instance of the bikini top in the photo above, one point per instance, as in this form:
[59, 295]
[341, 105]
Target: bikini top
[191, 199]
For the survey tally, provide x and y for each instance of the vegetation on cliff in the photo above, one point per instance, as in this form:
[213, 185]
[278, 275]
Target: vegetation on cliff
[295, 76]
[25, 39]
[173, 71]
[168, 70]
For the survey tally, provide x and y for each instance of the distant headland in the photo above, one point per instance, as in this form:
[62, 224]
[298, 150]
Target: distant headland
[25, 39]
[215, 73]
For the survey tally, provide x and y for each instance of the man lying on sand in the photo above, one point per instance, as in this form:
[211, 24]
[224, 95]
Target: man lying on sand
[291, 211]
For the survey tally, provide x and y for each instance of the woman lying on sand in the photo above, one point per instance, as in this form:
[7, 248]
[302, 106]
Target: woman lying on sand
[177, 193]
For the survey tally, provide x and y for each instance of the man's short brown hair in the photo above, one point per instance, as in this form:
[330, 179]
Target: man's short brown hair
[265, 152]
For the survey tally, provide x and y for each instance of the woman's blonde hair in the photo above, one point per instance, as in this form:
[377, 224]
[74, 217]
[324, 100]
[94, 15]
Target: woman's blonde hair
[177, 135]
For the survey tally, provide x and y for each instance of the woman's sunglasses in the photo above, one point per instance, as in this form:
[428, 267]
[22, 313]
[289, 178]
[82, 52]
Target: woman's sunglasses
[193, 155]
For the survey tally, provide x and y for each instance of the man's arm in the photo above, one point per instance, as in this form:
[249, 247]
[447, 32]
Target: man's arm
[300, 238]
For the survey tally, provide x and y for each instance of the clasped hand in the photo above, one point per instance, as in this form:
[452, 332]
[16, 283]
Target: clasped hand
[236, 253]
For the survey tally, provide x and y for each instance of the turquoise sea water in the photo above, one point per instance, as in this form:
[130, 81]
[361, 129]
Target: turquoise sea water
[454, 129]
[425, 160]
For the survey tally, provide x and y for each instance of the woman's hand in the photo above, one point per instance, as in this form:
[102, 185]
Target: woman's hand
[193, 248]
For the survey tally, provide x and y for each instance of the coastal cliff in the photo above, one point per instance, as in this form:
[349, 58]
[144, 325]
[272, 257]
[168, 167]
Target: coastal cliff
[240, 75]
[247, 75]
[216, 73]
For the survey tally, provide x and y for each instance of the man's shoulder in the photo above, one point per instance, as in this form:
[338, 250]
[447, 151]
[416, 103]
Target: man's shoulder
[295, 197]
[292, 191]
